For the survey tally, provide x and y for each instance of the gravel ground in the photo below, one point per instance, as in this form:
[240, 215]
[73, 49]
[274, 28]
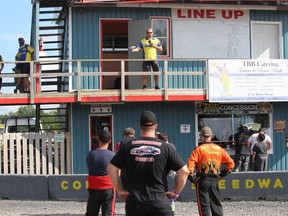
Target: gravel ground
[73, 208]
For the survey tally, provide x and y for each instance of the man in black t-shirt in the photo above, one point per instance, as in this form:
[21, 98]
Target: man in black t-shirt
[147, 161]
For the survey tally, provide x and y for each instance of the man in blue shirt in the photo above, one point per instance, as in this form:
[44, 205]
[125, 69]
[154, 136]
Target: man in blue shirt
[25, 53]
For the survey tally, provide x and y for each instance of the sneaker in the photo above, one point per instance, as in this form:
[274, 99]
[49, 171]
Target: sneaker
[144, 87]
[157, 87]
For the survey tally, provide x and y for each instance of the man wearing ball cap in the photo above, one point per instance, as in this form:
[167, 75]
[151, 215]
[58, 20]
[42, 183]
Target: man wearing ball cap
[102, 195]
[147, 161]
[206, 160]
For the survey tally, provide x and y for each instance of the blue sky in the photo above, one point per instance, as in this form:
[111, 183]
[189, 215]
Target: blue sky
[16, 17]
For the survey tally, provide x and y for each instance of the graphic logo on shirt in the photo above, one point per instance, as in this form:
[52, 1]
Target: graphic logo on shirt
[145, 150]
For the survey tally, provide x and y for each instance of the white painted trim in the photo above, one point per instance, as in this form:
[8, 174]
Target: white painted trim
[280, 51]
[70, 47]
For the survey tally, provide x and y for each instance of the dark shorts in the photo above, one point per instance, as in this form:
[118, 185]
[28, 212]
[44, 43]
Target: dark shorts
[148, 65]
[25, 68]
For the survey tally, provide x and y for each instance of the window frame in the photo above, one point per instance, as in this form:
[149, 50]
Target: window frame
[168, 25]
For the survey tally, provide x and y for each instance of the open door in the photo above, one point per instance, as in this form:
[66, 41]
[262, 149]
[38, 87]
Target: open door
[136, 32]
[97, 124]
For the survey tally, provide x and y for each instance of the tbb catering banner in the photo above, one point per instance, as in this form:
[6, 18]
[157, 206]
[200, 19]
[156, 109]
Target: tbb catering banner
[247, 80]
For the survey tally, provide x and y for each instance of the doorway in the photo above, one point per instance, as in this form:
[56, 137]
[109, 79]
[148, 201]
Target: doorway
[97, 124]
[114, 45]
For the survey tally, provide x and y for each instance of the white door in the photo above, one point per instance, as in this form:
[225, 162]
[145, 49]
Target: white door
[266, 40]
[136, 32]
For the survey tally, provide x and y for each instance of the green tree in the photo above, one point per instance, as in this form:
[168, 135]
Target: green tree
[24, 111]
[52, 121]
[3, 118]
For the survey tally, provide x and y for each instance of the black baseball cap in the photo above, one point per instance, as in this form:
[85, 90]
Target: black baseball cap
[148, 119]
[104, 136]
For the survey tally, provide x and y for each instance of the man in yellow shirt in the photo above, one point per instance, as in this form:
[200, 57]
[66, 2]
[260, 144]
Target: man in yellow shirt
[25, 53]
[150, 45]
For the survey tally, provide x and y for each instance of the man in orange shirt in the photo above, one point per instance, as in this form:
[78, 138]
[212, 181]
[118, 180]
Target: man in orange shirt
[208, 158]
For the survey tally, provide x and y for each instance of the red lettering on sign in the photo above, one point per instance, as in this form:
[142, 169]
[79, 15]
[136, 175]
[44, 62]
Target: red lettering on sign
[199, 14]
[210, 14]
[189, 13]
[232, 14]
[238, 14]
[179, 14]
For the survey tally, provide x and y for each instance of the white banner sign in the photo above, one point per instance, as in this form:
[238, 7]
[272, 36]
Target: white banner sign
[248, 80]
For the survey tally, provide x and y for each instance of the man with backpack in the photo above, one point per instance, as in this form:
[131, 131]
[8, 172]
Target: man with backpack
[243, 150]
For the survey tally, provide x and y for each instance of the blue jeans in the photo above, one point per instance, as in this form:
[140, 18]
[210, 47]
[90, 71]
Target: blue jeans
[241, 162]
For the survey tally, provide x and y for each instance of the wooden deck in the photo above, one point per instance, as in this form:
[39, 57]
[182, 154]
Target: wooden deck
[184, 84]
[102, 96]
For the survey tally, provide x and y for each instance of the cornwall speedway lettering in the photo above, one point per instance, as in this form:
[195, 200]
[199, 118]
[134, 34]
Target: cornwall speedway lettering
[250, 184]
[236, 184]
[74, 185]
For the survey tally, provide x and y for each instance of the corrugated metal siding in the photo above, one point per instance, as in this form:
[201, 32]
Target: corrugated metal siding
[274, 16]
[196, 82]
[170, 117]
[279, 160]
[80, 137]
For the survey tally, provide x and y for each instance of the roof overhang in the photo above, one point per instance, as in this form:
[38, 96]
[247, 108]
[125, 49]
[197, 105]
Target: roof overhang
[245, 4]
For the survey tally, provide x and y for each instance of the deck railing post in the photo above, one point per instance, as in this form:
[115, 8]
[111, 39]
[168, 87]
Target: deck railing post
[166, 80]
[79, 80]
[122, 80]
[31, 82]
